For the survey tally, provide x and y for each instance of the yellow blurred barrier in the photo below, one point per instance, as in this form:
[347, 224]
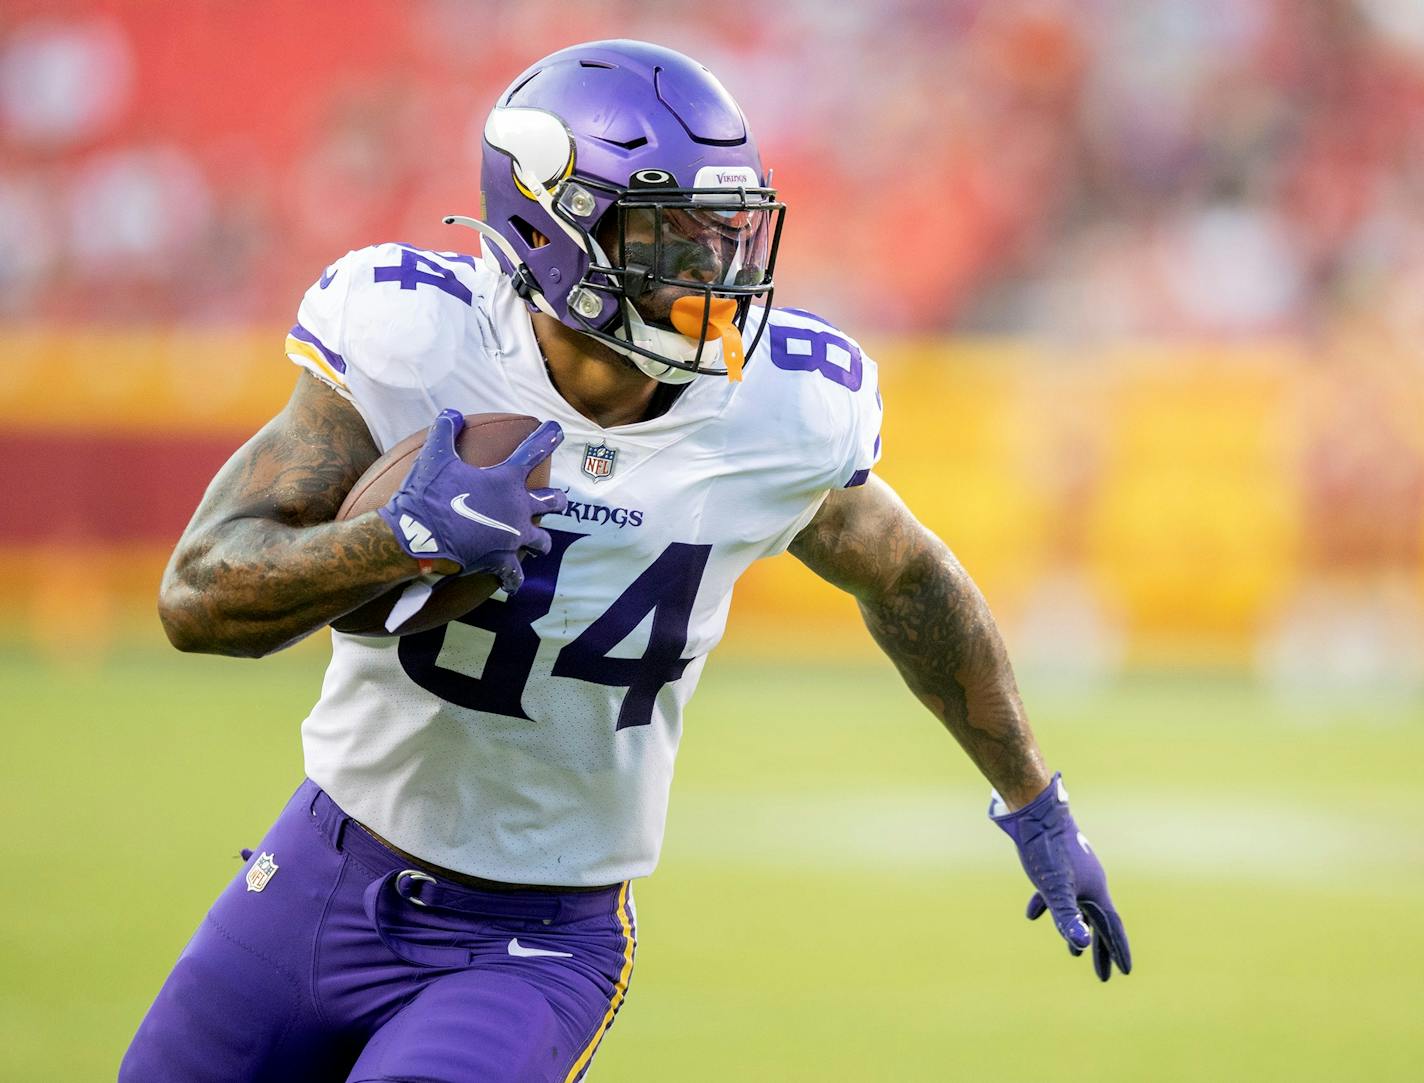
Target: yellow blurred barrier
[1147, 503]
[165, 380]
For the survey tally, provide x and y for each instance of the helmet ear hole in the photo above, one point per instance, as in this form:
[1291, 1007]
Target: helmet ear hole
[532, 237]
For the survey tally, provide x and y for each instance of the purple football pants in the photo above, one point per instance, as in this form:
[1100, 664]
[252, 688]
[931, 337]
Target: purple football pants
[349, 965]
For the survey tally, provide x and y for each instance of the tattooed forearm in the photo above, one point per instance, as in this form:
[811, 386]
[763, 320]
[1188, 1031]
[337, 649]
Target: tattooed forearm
[936, 627]
[261, 564]
[926, 614]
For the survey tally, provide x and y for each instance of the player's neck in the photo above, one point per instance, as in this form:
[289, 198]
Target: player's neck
[593, 379]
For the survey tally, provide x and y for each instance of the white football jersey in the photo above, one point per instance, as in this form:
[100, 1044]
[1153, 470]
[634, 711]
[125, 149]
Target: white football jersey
[533, 740]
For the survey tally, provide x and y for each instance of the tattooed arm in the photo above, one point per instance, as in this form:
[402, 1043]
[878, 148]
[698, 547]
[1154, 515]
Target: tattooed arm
[261, 564]
[929, 617]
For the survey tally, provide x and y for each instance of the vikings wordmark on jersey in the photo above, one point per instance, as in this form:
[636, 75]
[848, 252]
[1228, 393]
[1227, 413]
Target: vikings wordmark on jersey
[533, 740]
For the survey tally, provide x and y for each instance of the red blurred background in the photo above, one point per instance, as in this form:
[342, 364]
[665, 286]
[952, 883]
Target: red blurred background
[1162, 167]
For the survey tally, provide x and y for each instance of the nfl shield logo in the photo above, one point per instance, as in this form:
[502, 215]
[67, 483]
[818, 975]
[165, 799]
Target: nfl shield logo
[598, 461]
[262, 870]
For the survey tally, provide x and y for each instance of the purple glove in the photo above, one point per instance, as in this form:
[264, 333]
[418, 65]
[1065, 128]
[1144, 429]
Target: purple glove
[478, 517]
[1070, 880]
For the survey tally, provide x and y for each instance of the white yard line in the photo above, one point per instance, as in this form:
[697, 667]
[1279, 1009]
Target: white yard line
[919, 830]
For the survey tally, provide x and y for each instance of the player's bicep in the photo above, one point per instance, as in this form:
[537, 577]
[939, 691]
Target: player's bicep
[298, 468]
[861, 539]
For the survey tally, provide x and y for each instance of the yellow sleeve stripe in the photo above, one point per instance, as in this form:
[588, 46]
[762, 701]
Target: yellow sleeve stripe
[304, 353]
[620, 990]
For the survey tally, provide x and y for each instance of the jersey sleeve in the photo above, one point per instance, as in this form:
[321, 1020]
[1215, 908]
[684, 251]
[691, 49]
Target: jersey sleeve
[316, 341]
[863, 443]
[385, 319]
[818, 414]
[847, 381]
[827, 388]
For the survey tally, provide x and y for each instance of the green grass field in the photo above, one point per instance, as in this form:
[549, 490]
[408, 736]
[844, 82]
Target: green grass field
[831, 902]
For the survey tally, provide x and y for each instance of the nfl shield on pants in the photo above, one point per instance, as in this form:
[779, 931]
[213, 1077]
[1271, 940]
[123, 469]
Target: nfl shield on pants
[328, 958]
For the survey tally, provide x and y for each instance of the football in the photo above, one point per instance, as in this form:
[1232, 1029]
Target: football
[487, 440]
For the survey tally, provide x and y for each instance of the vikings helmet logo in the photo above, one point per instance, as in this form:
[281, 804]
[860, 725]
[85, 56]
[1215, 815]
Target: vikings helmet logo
[540, 148]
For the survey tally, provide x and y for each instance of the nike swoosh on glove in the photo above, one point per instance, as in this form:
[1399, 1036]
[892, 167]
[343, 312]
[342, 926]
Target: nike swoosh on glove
[478, 517]
[1071, 883]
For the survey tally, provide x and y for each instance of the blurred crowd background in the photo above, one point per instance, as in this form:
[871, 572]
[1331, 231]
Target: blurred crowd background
[1160, 262]
[1138, 167]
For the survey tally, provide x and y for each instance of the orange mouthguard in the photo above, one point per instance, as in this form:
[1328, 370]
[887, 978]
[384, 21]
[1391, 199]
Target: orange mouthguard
[687, 313]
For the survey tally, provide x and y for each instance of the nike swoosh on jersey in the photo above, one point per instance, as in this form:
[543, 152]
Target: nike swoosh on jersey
[519, 951]
[461, 508]
[326, 278]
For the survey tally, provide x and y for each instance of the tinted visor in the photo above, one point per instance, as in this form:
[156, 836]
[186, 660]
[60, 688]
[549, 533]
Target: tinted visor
[737, 242]
[693, 245]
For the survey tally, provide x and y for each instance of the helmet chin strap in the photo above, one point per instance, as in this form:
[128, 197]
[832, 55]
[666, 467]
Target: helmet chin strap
[667, 343]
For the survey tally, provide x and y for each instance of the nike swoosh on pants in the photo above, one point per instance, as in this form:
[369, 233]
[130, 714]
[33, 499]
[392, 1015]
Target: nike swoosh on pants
[519, 951]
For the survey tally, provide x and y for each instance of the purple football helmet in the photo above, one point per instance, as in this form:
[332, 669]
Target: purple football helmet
[649, 137]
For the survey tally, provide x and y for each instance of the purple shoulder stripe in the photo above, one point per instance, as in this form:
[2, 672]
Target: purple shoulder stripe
[860, 477]
[334, 359]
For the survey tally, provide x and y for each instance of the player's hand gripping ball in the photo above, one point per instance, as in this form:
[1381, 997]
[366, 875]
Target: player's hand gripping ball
[467, 490]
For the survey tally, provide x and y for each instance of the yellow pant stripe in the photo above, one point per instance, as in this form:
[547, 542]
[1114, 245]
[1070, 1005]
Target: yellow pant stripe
[620, 990]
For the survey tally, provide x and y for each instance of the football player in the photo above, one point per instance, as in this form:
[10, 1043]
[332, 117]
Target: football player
[447, 898]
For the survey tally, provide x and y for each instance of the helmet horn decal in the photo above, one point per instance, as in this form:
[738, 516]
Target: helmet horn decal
[541, 153]
[540, 147]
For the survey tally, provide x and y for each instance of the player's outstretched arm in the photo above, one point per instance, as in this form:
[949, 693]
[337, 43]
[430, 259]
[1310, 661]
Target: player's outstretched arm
[929, 617]
[261, 564]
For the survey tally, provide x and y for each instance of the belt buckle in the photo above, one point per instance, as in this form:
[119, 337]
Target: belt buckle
[412, 874]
